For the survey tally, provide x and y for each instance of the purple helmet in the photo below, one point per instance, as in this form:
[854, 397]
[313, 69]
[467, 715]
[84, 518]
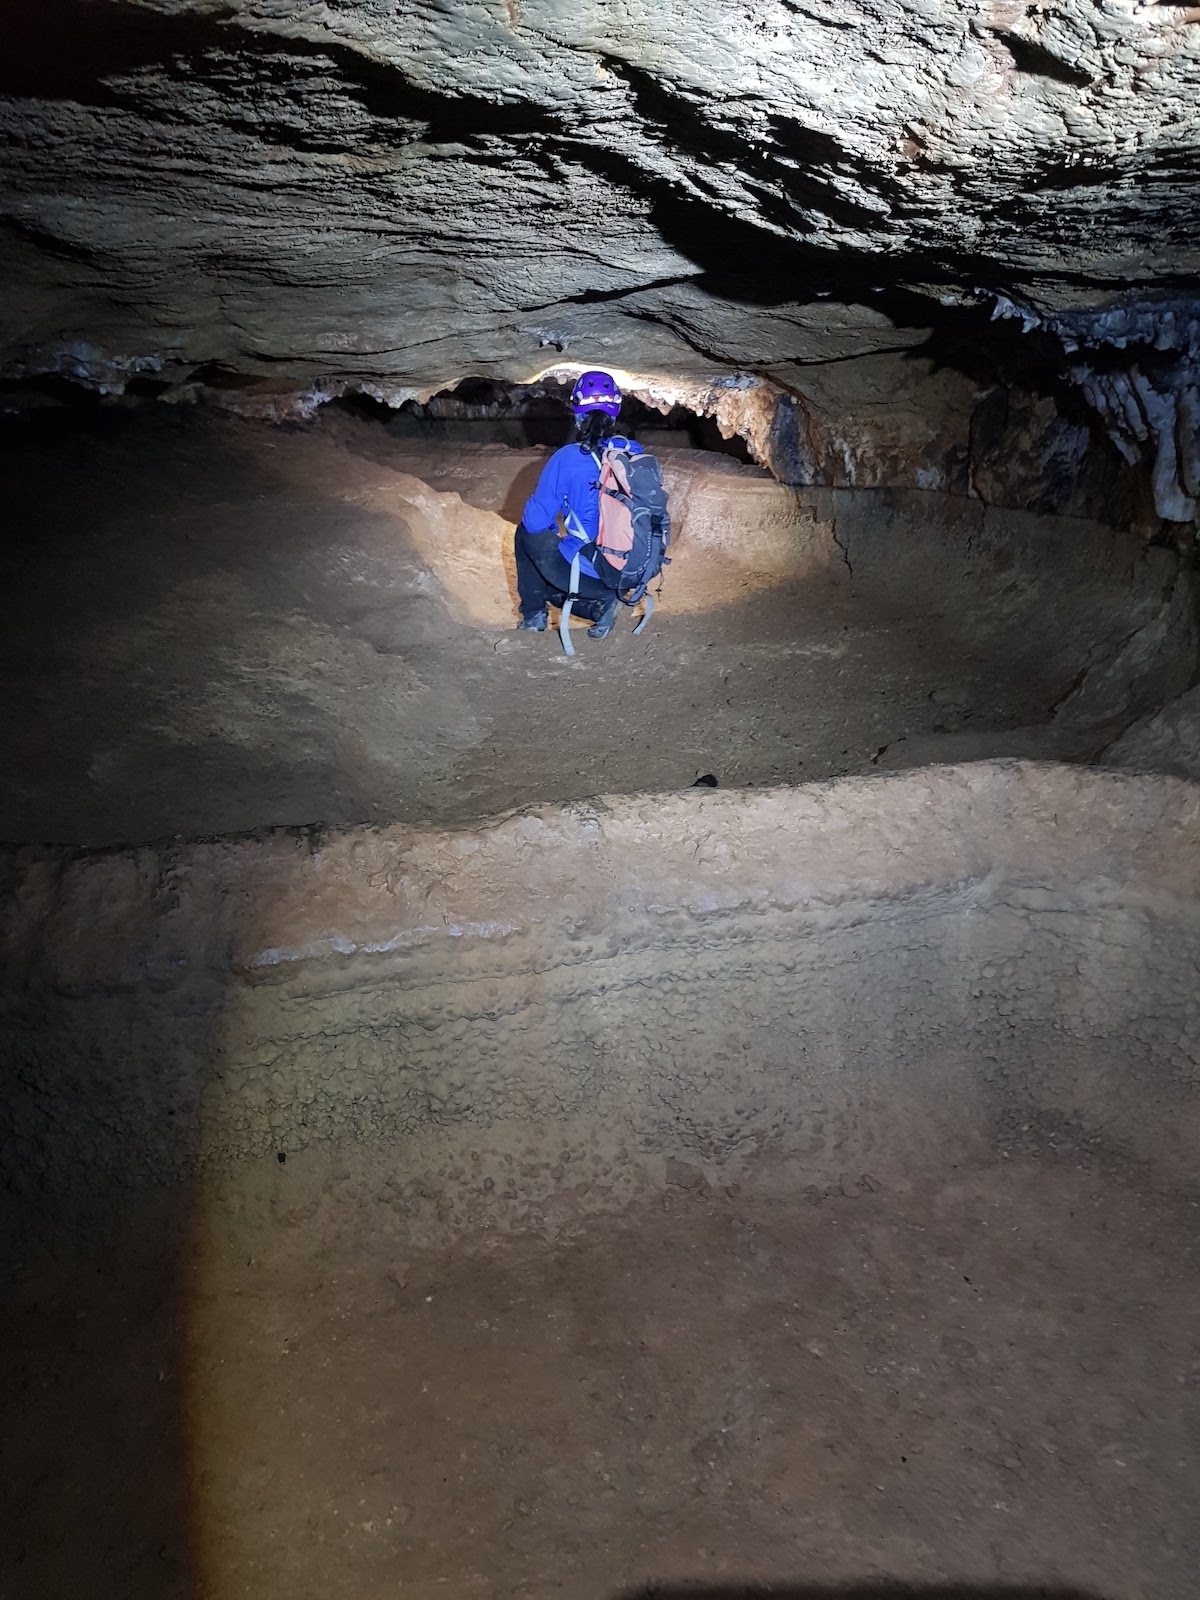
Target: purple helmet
[595, 391]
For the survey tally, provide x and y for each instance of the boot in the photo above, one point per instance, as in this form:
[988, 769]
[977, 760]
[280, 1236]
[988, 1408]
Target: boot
[536, 623]
[606, 619]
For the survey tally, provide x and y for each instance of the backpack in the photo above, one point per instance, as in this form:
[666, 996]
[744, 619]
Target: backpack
[635, 529]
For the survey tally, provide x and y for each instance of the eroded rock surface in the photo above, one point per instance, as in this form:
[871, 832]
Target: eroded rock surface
[1167, 740]
[709, 977]
[735, 1183]
[354, 193]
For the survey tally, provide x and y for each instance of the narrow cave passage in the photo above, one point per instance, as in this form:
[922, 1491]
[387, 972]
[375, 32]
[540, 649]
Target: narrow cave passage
[480, 411]
[251, 626]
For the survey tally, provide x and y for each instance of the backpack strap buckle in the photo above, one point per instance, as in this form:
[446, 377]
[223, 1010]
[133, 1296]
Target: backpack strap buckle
[647, 611]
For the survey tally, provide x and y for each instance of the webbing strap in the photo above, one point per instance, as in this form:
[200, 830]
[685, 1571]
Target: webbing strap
[564, 619]
[647, 611]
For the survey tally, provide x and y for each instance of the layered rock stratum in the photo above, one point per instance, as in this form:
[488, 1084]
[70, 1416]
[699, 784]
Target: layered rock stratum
[355, 194]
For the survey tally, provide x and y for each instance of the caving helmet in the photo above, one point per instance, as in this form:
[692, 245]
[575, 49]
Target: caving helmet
[595, 391]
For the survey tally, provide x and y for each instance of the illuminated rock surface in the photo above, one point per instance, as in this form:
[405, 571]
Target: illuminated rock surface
[391, 197]
[252, 626]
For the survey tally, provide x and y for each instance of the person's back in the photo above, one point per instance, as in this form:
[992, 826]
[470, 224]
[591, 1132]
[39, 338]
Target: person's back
[569, 487]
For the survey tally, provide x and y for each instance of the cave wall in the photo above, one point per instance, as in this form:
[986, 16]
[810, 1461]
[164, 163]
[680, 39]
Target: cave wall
[516, 1024]
[878, 423]
[310, 197]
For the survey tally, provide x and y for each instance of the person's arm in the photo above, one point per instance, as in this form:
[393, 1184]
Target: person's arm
[544, 504]
[573, 542]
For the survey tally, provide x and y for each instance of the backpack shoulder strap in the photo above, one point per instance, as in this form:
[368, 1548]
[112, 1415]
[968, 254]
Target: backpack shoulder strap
[564, 616]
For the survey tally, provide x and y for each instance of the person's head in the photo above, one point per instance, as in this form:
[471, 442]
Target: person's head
[596, 402]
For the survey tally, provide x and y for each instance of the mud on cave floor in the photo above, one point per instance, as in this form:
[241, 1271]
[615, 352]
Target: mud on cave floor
[214, 626]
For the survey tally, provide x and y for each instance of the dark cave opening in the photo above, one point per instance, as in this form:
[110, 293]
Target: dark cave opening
[482, 411]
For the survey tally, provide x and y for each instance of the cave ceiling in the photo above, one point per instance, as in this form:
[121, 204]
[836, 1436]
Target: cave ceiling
[395, 193]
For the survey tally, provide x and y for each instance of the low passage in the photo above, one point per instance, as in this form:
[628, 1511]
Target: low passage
[213, 627]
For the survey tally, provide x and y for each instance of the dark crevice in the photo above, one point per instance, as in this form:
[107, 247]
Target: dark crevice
[1030, 56]
[108, 40]
[742, 261]
[480, 411]
[111, 45]
[845, 23]
[218, 375]
[49, 243]
[691, 123]
[843, 546]
[592, 297]
[47, 388]
[692, 130]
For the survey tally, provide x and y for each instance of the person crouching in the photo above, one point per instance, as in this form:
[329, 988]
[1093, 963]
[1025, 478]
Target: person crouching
[569, 488]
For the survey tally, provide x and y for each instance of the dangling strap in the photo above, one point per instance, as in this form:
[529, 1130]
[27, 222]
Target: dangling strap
[647, 611]
[564, 620]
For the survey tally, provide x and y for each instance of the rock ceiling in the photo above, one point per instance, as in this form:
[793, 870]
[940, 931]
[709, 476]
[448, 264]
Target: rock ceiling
[391, 194]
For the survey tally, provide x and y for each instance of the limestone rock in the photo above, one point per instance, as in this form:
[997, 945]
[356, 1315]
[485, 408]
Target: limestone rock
[355, 193]
[1166, 741]
[1148, 397]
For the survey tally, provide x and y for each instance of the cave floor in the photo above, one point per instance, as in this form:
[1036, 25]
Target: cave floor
[987, 1376]
[214, 626]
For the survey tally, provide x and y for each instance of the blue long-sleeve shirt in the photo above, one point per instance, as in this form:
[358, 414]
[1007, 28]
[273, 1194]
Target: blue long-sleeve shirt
[570, 487]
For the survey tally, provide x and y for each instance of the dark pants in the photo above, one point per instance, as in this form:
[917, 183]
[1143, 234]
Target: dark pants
[544, 577]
